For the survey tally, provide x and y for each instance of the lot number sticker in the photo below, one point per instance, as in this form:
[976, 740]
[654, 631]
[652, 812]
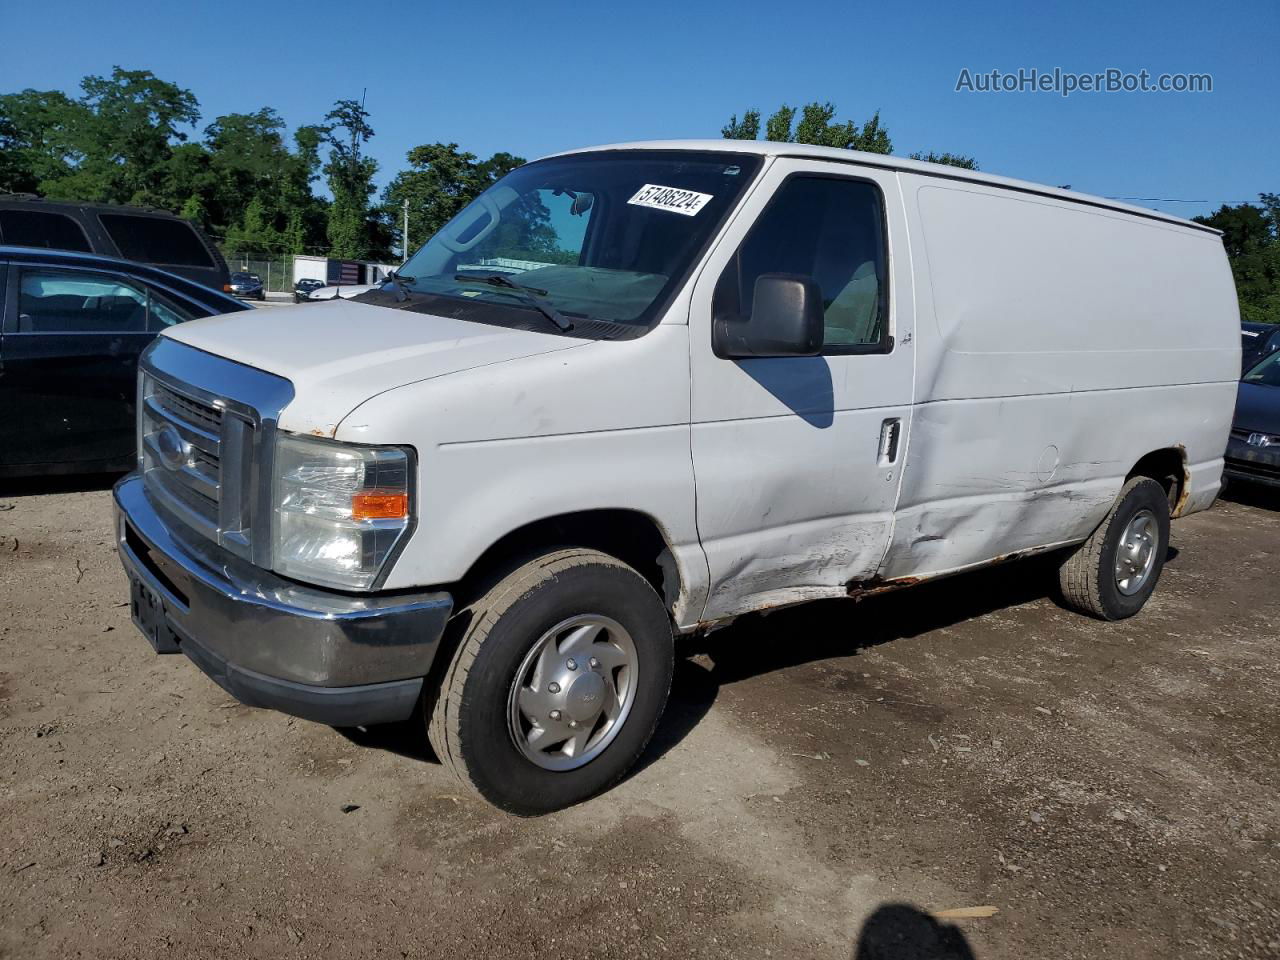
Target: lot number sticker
[671, 199]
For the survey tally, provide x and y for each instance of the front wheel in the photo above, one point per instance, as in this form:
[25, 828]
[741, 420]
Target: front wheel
[558, 681]
[1113, 573]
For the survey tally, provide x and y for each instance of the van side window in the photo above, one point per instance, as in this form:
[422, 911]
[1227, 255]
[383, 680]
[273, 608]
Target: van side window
[831, 230]
[156, 240]
[41, 228]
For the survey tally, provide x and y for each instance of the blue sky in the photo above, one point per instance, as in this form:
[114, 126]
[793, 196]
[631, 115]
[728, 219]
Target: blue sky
[537, 78]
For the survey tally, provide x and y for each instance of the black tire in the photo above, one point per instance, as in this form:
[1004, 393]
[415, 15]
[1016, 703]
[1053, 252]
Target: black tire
[1088, 577]
[467, 723]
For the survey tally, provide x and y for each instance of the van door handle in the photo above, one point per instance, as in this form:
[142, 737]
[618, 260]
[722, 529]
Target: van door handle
[890, 431]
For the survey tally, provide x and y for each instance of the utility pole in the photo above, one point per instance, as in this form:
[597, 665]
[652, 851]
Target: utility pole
[404, 235]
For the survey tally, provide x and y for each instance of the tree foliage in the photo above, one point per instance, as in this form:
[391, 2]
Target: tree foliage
[947, 159]
[817, 125]
[748, 129]
[132, 138]
[352, 234]
[440, 181]
[1251, 236]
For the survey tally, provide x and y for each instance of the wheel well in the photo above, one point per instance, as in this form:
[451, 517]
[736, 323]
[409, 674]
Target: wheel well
[634, 538]
[1168, 467]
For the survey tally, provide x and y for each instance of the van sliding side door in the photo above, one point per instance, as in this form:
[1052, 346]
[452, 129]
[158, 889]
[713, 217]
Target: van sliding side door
[797, 460]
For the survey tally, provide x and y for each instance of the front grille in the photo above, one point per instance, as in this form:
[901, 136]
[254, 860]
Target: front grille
[206, 432]
[182, 454]
[203, 415]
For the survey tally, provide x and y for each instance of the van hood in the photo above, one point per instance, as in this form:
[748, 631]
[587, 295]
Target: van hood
[339, 354]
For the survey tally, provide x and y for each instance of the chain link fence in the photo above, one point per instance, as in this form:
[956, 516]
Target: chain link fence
[276, 275]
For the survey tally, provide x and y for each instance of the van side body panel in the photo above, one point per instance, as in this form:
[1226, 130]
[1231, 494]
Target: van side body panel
[602, 426]
[1058, 344]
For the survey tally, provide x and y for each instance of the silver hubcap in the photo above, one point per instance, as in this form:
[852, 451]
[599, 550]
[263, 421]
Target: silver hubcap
[1136, 553]
[573, 692]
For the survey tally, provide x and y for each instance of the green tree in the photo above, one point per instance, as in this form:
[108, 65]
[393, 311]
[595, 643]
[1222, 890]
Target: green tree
[440, 181]
[350, 175]
[817, 125]
[748, 129]
[778, 127]
[261, 191]
[948, 159]
[35, 146]
[123, 139]
[1251, 237]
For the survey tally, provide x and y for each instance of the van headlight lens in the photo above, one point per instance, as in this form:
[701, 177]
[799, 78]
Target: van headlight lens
[340, 510]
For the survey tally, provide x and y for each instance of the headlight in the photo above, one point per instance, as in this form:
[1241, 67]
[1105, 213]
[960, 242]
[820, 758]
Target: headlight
[340, 510]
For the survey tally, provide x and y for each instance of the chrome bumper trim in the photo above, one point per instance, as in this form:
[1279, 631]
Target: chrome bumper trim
[258, 622]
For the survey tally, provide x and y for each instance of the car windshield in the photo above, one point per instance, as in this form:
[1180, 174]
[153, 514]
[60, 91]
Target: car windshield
[1266, 373]
[242, 277]
[603, 238]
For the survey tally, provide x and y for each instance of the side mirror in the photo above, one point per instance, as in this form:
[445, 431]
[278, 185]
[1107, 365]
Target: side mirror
[786, 321]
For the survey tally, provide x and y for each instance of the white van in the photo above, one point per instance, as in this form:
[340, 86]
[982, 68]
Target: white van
[640, 390]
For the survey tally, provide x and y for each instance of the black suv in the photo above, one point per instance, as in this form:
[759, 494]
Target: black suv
[129, 233]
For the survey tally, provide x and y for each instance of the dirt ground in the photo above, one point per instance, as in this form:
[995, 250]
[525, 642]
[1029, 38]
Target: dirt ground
[825, 777]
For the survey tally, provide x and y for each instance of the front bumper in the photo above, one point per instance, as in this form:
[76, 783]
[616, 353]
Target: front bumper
[1255, 464]
[340, 659]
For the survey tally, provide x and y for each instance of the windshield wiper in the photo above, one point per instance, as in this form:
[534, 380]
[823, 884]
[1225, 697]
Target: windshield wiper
[530, 295]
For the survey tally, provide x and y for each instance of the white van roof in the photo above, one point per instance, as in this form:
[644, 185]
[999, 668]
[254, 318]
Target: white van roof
[890, 162]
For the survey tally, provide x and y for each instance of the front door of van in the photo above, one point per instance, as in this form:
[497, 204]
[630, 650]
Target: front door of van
[797, 459]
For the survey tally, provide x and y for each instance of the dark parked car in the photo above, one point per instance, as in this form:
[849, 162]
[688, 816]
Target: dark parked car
[71, 328]
[1257, 340]
[303, 289]
[247, 286]
[148, 236]
[1253, 450]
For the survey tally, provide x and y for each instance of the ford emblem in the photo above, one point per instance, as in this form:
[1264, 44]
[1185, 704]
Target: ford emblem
[175, 453]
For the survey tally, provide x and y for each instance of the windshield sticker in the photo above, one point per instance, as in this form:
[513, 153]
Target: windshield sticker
[671, 199]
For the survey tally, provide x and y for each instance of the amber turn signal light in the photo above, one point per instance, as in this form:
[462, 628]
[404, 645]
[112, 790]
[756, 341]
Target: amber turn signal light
[379, 505]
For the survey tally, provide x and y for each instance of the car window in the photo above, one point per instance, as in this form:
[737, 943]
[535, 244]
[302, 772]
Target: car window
[161, 314]
[42, 228]
[52, 301]
[1266, 372]
[156, 240]
[829, 230]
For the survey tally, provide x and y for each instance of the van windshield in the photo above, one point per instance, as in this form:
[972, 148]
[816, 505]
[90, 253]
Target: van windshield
[603, 238]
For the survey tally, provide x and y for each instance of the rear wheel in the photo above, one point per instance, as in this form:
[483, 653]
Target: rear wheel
[1111, 575]
[558, 681]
